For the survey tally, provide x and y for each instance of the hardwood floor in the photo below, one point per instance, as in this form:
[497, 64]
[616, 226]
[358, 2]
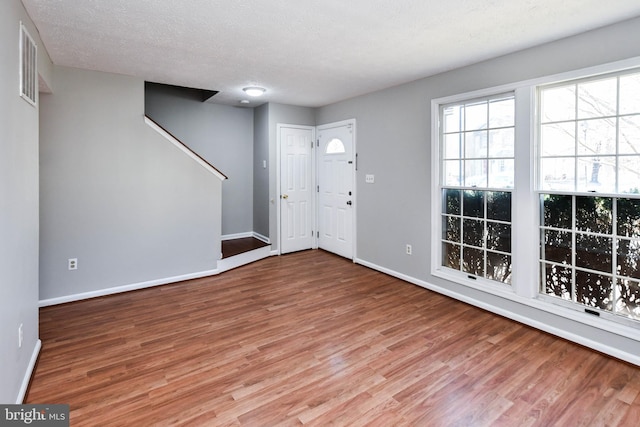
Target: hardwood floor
[237, 246]
[313, 339]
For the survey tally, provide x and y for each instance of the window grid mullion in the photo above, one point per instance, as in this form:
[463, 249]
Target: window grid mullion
[484, 219]
[590, 101]
[614, 252]
[461, 231]
[574, 294]
[575, 145]
[617, 171]
[612, 291]
[486, 131]
[470, 150]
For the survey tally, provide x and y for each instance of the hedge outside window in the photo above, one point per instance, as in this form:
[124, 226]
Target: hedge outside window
[589, 177]
[477, 163]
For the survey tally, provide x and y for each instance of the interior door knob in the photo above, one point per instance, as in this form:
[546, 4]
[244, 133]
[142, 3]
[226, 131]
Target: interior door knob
[285, 196]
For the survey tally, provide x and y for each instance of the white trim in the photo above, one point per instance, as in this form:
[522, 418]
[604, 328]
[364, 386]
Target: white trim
[126, 288]
[525, 277]
[540, 302]
[236, 236]
[245, 258]
[436, 196]
[223, 265]
[279, 126]
[554, 78]
[261, 237]
[596, 70]
[314, 220]
[519, 247]
[631, 333]
[242, 259]
[245, 235]
[182, 148]
[29, 373]
[525, 210]
[351, 123]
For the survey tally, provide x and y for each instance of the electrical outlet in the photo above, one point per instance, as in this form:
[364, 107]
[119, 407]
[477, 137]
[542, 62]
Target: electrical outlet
[369, 178]
[409, 249]
[73, 263]
[20, 336]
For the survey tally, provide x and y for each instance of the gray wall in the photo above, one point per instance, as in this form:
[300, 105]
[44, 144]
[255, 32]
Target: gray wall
[261, 173]
[132, 208]
[392, 143]
[221, 134]
[281, 114]
[394, 140]
[115, 194]
[236, 141]
[18, 208]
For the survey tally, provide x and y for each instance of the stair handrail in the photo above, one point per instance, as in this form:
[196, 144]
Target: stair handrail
[184, 147]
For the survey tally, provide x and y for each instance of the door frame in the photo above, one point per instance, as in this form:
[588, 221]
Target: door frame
[313, 178]
[354, 225]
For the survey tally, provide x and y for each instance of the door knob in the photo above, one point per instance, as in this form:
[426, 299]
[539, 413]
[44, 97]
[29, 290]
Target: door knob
[285, 196]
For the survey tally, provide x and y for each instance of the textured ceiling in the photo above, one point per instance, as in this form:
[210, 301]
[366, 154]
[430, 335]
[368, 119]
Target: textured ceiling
[305, 52]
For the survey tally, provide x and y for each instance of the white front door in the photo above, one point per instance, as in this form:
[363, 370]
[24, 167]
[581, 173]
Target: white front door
[296, 189]
[336, 163]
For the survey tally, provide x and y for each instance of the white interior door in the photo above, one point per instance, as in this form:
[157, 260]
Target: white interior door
[296, 189]
[336, 190]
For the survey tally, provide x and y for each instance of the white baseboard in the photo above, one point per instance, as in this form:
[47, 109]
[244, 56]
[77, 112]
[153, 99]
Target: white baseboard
[227, 264]
[236, 236]
[29, 373]
[633, 358]
[126, 288]
[255, 255]
[261, 237]
[223, 265]
[245, 235]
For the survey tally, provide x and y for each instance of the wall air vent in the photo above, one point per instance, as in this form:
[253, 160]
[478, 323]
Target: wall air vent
[28, 67]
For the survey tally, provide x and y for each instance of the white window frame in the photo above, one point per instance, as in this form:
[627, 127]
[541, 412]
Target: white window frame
[576, 156]
[483, 282]
[523, 125]
[574, 230]
[574, 193]
[525, 203]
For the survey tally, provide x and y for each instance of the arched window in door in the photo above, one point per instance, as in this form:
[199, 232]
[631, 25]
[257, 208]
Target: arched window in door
[335, 146]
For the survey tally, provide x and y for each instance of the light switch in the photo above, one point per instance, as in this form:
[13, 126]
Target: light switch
[369, 179]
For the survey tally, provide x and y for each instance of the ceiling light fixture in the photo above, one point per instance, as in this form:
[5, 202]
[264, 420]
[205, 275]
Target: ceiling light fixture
[244, 101]
[254, 90]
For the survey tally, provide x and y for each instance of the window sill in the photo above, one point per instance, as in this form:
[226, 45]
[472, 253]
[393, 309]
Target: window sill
[624, 327]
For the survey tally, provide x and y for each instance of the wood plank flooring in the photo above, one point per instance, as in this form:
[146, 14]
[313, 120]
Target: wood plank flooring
[313, 339]
[237, 246]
